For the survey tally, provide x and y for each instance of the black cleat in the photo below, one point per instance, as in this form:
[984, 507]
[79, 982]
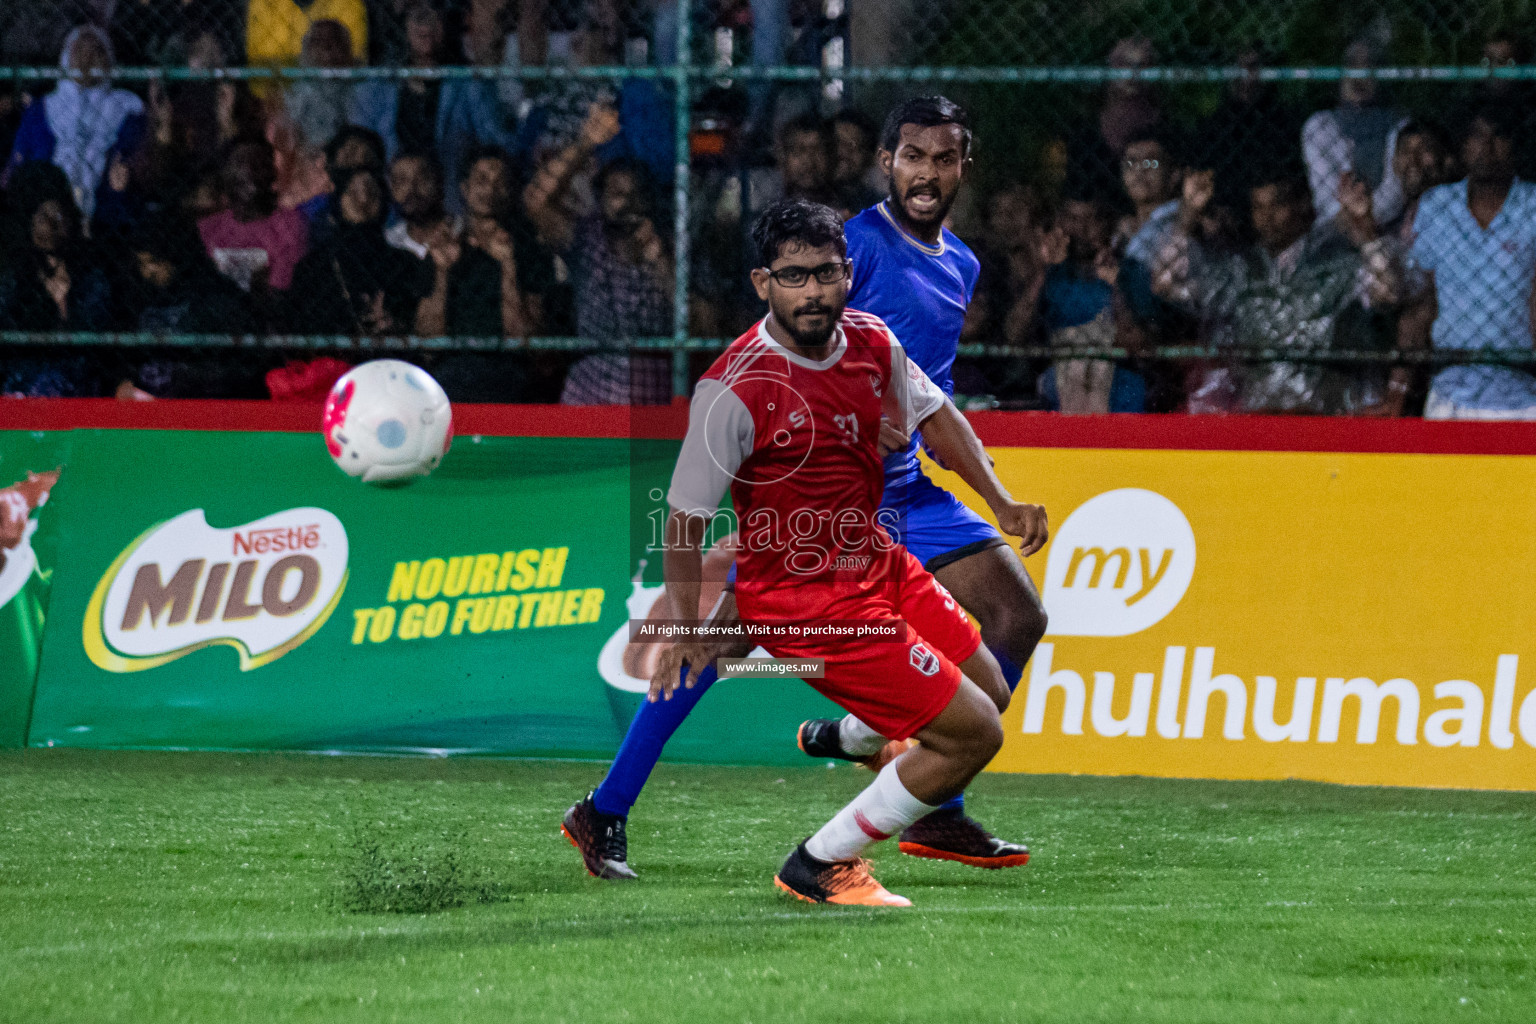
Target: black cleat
[600, 840]
[818, 738]
[952, 835]
[844, 882]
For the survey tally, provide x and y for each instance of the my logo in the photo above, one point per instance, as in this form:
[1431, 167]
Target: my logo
[1119, 564]
[262, 588]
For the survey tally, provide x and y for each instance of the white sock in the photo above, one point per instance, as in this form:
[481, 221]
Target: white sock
[881, 811]
[858, 739]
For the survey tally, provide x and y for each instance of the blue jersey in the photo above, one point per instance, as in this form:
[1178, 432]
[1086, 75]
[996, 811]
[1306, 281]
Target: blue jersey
[921, 292]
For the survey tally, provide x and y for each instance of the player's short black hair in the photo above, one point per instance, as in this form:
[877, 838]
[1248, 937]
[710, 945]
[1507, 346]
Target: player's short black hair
[925, 112]
[799, 222]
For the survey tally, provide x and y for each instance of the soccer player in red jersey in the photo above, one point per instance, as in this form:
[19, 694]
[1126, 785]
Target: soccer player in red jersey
[789, 419]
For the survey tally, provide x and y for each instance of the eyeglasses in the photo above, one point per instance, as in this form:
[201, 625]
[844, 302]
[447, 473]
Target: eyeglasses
[1140, 165]
[796, 277]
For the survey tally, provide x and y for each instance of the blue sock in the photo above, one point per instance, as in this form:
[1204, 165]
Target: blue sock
[1011, 675]
[649, 731]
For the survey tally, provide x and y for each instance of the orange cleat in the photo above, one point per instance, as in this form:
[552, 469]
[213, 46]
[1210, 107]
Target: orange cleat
[844, 882]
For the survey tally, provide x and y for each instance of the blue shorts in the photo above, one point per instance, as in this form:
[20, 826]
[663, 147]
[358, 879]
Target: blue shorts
[933, 524]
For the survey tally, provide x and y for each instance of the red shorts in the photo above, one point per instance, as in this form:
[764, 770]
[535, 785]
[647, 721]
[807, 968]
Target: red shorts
[895, 687]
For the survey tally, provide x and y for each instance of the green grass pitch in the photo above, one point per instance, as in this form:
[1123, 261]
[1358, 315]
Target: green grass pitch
[230, 888]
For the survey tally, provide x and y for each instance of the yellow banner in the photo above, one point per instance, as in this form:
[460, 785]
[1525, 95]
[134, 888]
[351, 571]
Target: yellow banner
[1354, 618]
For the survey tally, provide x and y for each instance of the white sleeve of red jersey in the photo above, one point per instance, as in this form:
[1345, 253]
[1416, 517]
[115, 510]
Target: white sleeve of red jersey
[912, 397]
[720, 437]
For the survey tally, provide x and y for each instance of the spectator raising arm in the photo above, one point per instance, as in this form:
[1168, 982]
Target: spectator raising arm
[1182, 273]
[546, 194]
[1383, 280]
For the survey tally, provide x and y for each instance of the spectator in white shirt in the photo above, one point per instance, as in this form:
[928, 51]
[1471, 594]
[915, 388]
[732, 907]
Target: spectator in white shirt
[416, 187]
[1474, 251]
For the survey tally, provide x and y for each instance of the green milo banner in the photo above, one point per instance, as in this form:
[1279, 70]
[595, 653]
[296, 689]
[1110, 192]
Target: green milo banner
[222, 590]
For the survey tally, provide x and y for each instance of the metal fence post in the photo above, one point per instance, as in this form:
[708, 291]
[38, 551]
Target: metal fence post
[682, 124]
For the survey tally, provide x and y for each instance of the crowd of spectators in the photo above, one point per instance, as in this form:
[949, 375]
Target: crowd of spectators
[1258, 233]
[498, 208]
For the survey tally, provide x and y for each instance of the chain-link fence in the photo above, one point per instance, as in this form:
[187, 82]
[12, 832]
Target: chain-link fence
[1202, 206]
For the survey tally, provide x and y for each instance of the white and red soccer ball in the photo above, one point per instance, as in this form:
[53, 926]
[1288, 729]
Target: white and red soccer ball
[387, 420]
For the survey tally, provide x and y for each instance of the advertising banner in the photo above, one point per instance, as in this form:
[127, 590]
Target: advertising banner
[243, 593]
[1257, 614]
[1354, 618]
[30, 467]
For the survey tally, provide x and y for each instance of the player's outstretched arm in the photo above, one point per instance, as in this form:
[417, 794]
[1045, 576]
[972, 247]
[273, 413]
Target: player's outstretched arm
[948, 434]
[683, 565]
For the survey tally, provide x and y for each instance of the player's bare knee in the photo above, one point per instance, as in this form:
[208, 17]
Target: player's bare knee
[988, 738]
[983, 670]
[982, 731]
[1031, 627]
[996, 688]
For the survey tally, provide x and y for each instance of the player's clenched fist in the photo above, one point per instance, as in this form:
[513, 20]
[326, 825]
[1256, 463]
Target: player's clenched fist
[1026, 522]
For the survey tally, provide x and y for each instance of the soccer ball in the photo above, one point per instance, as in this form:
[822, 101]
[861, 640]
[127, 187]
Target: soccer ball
[387, 420]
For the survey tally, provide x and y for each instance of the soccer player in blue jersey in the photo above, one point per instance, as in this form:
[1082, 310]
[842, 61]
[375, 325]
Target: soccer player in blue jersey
[914, 274]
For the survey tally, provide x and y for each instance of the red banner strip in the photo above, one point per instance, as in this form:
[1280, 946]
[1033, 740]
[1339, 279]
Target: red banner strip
[998, 429]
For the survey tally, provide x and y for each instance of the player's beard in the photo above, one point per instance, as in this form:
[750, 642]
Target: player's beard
[934, 216]
[817, 337]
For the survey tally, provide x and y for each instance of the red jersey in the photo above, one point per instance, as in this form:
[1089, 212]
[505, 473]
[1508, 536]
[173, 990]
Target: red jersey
[796, 442]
